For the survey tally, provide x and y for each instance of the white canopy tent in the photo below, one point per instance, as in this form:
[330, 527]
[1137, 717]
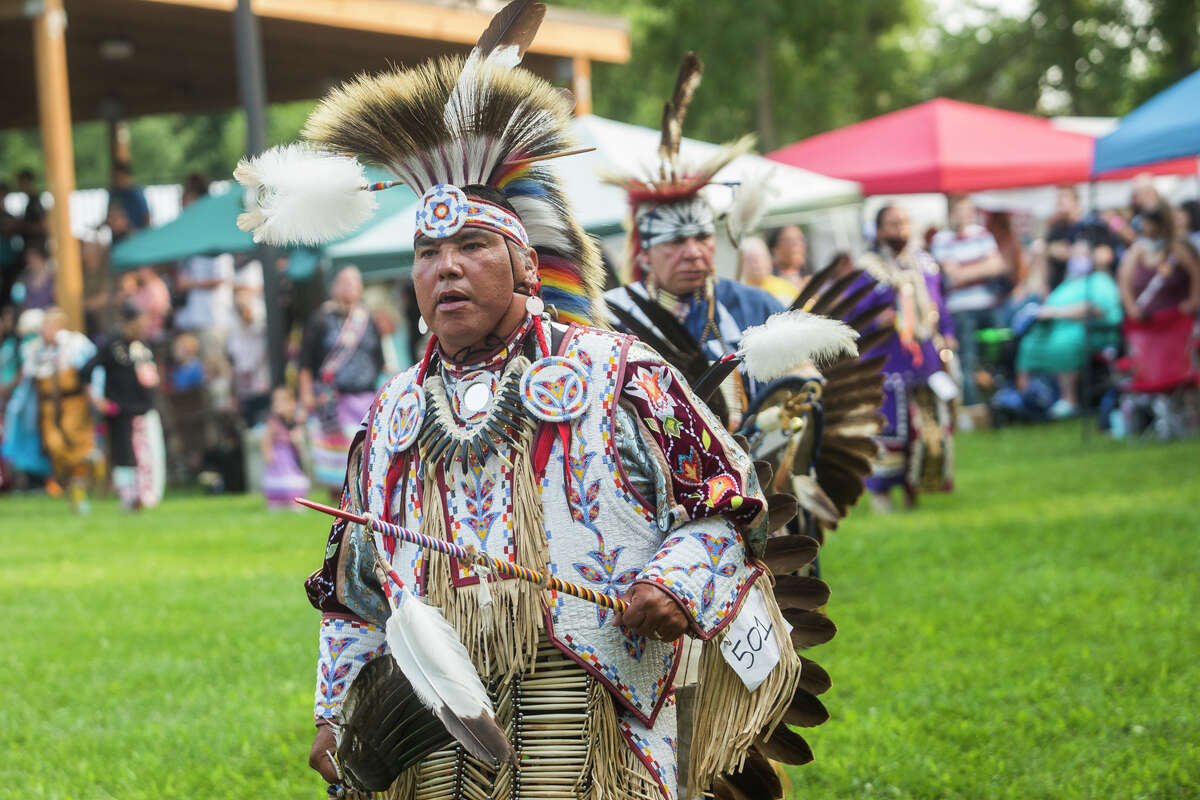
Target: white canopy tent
[797, 195]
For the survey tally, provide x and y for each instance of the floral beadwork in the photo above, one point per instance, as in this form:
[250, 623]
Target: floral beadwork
[582, 497]
[607, 580]
[346, 647]
[478, 487]
[653, 385]
[703, 565]
[714, 547]
[706, 477]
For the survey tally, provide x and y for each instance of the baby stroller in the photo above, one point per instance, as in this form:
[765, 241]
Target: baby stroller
[1159, 387]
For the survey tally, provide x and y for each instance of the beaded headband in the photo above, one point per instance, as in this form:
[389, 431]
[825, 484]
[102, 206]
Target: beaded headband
[446, 209]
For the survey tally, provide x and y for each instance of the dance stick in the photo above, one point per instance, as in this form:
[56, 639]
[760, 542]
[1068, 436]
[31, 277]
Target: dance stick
[505, 568]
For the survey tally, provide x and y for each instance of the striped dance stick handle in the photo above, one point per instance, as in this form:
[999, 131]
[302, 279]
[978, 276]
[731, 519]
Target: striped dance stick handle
[505, 568]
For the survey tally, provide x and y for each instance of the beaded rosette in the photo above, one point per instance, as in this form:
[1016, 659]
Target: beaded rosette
[445, 210]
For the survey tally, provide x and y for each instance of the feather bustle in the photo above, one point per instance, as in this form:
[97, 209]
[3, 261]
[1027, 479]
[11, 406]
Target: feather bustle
[813, 677]
[787, 747]
[813, 499]
[805, 711]
[809, 628]
[790, 553]
[800, 591]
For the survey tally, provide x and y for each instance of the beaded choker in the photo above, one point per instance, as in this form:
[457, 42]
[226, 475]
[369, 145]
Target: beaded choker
[494, 362]
[502, 424]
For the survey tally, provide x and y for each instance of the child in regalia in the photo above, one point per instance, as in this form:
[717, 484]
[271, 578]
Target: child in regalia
[284, 478]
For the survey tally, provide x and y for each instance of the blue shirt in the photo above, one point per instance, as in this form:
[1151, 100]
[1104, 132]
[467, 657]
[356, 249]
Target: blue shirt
[747, 305]
[133, 200]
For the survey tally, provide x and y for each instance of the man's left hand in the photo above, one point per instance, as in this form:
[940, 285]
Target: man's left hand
[652, 612]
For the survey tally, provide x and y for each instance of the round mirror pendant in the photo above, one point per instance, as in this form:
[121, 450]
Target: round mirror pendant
[477, 398]
[472, 394]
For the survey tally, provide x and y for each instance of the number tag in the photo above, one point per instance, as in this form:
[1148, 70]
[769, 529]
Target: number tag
[749, 646]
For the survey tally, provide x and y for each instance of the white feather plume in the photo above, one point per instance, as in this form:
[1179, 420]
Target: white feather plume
[788, 339]
[430, 654]
[303, 195]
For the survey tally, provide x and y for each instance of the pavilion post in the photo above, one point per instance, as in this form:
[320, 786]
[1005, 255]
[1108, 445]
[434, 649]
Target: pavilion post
[54, 116]
[252, 86]
[581, 84]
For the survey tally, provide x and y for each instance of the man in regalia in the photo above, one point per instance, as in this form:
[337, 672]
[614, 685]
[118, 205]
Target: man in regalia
[917, 440]
[671, 255]
[541, 442]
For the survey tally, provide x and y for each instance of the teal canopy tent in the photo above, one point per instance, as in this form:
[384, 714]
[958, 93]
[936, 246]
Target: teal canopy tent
[209, 226]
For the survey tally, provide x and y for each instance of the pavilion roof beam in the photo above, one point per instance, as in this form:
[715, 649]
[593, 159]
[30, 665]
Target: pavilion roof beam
[563, 33]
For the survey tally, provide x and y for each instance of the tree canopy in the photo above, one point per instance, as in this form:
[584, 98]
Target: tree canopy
[781, 69]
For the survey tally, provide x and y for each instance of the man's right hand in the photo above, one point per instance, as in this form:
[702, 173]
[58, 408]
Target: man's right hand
[318, 758]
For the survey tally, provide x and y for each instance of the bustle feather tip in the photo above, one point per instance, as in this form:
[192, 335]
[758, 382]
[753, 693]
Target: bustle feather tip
[788, 339]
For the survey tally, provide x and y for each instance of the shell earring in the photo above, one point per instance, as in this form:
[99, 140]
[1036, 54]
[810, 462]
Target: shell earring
[422, 326]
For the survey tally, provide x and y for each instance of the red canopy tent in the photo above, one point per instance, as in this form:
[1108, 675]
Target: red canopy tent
[947, 146]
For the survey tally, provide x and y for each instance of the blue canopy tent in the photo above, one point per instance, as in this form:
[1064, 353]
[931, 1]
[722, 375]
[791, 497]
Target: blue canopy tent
[1167, 126]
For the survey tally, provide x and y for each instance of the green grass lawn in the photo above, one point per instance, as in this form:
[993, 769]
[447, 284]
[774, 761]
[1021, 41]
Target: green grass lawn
[1032, 635]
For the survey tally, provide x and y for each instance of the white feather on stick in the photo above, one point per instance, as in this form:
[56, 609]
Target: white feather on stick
[433, 658]
[788, 339]
[749, 205]
[303, 195]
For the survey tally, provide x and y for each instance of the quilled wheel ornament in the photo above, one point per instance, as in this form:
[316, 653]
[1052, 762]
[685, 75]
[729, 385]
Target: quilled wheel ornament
[407, 417]
[554, 389]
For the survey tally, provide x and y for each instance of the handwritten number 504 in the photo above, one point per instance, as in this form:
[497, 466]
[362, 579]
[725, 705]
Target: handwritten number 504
[753, 642]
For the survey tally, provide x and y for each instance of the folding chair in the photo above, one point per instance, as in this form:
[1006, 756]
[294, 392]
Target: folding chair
[1161, 388]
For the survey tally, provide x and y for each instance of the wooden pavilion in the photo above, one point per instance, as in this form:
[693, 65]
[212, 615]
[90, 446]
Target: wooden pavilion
[75, 60]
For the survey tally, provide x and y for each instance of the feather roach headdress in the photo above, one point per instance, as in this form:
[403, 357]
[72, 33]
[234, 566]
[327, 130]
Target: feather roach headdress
[438, 128]
[664, 199]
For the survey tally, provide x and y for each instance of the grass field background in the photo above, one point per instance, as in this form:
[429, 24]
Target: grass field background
[1032, 635]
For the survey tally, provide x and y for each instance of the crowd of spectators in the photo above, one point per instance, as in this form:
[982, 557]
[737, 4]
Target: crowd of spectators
[1042, 320]
[1040, 323]
[205, 321]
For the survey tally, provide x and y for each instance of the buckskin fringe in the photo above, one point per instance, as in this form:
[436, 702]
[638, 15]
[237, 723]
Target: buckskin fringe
[507, 644]
[403, 789]
[607, 749]
[728, 718]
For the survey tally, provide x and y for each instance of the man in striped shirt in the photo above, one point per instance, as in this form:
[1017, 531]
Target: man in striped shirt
[977, 282]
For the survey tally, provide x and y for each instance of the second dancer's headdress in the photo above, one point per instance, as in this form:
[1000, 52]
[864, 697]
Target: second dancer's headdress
[665, 199]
